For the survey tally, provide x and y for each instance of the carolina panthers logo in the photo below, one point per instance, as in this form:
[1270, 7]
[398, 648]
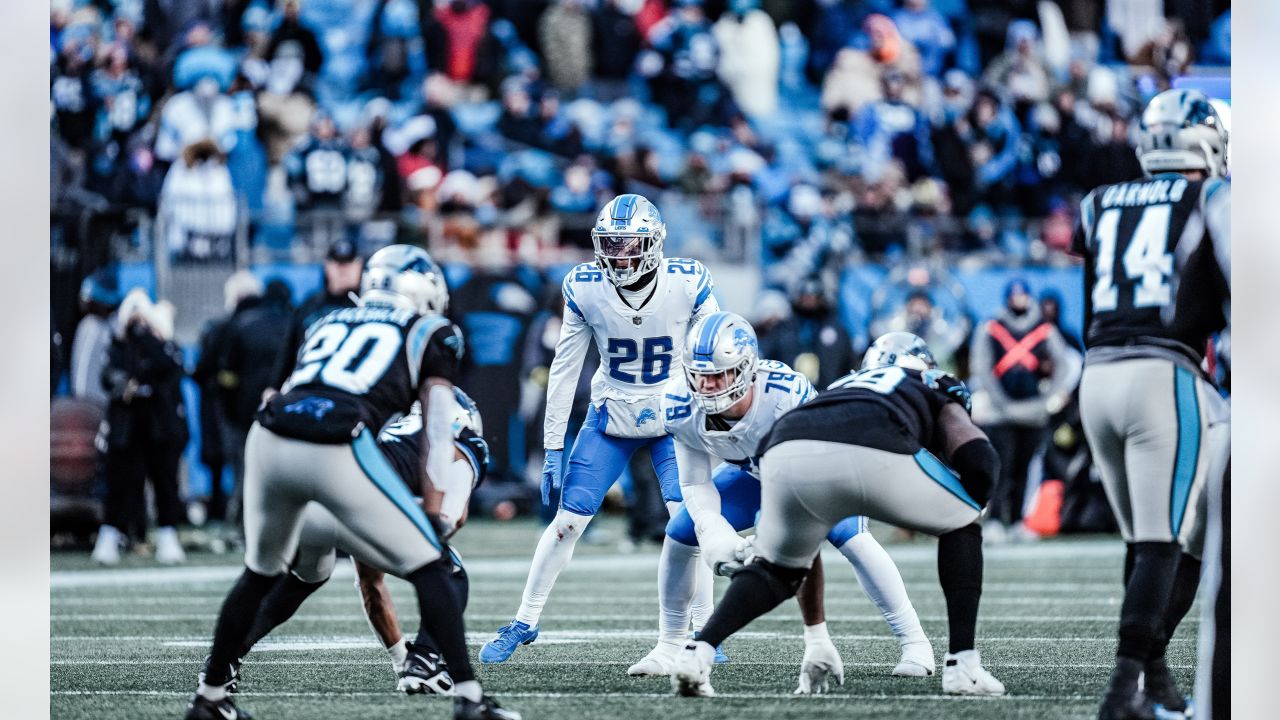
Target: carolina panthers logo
[742, 339]
[316, 407]
[645, 416]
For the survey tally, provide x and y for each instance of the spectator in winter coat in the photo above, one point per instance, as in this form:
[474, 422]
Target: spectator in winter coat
[198, 203]
[749, 56]
[926, 29]
[291, 29]
[145, 430]
[1021, 373]
[565, 34]
[453, 36]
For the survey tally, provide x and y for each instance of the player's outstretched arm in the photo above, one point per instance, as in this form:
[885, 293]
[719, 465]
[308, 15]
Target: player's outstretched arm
[378, 608]
[968, 452]
[436, 397]
[716, 537]
[562, 378]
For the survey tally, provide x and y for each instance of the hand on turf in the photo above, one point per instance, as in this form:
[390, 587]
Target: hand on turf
[821, 670]
[551, 474]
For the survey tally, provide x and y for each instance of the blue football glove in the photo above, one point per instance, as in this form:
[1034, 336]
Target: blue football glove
[551, 474]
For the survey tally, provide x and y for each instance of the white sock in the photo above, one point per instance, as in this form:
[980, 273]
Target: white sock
[212, 693]
[816, 633]
[469, 690]
[882, 583]
[554, 551]
[704, 595]
[399, 653]
[677, 580]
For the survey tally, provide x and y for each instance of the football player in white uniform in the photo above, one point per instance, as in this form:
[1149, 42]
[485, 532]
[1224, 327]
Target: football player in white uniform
[726, 403]
[637, 306]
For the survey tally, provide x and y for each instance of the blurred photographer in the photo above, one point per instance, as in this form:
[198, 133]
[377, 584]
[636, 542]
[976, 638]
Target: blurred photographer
[145, 429]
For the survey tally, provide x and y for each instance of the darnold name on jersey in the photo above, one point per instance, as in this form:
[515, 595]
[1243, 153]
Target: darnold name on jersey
[1151, 192]
[372, 313]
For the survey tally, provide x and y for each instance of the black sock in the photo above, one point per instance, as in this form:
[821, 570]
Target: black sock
[960, 574]
[1146, 597]
[756, 589]
[234, 620]
[286, 596]
[1185, 584]
[440, 611]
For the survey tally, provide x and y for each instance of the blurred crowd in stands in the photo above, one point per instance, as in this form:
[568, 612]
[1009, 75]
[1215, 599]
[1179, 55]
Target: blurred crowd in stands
[802, 137]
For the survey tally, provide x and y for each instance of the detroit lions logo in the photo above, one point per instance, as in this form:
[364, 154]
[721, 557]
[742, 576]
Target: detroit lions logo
[742, 339]
[645, 416]
[316, 407]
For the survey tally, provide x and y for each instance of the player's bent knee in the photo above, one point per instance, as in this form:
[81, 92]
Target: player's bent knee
[570, 525]
[680, 529]
[845, 530]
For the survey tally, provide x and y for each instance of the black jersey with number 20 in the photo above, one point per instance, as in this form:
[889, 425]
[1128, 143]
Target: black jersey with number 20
[1157, 263]
[358, 368]
[889, 408]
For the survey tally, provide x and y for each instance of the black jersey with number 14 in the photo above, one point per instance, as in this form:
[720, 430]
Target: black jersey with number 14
[358, 368]
[1157, 263]
[889, 408]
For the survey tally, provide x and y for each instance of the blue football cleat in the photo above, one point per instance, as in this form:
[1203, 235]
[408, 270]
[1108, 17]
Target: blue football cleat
[721, 658]
[509, 638]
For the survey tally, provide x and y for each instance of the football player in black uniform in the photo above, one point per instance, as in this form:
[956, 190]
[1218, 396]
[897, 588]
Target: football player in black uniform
[314, 442]
[1157, 286]
[873, 444]
[322, 535]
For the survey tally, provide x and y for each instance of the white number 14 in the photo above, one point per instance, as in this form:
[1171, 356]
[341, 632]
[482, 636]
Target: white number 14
[1145, 260]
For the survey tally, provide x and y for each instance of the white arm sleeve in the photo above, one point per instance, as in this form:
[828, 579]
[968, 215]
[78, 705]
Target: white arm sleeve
[701, 498]
[562, 381]
[456, 485]
[438, 432]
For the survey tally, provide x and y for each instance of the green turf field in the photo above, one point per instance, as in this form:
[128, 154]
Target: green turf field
[127, 642]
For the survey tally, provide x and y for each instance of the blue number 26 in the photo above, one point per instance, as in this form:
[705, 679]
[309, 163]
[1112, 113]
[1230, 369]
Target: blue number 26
[655, 365]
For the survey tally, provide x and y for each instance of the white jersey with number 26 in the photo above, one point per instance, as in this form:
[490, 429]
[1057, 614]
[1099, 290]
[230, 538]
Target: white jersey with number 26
[639, 348]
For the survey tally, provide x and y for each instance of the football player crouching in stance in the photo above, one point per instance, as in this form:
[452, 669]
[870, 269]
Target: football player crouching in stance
[322, 535]
[873, 445]
[718, 413]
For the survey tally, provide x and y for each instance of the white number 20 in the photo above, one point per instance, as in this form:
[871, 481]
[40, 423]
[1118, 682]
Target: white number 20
[345, 358]
[1145, 260]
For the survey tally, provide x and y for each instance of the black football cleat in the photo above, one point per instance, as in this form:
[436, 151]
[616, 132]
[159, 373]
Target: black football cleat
[424, 672]
[1161, 690]
[1123, 700]
[233, 675]
[486, 709]
[201, 708]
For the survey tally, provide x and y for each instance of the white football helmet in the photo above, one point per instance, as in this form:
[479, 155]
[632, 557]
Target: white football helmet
[1180, 130]
[405, 276]
[901, 349]
[720, 359]
[628, 237]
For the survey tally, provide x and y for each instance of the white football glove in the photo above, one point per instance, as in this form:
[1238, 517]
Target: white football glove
[743, 552]
[719, 548]
[821, 670]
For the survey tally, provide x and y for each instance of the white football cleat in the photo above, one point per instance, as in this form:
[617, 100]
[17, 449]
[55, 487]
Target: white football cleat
[106, 550]
[657, 663]
[916, 661]
[168, 547]
[691, 670]
[821, 670]
[963, 674]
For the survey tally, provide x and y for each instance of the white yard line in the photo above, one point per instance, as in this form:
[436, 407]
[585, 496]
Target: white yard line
[1080, 550]
[499, 617]
[253, 662]
[290, 642]
[839, 696]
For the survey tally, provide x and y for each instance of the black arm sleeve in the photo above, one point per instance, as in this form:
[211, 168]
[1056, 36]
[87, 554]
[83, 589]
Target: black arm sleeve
[979, 466]
[288, 352]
